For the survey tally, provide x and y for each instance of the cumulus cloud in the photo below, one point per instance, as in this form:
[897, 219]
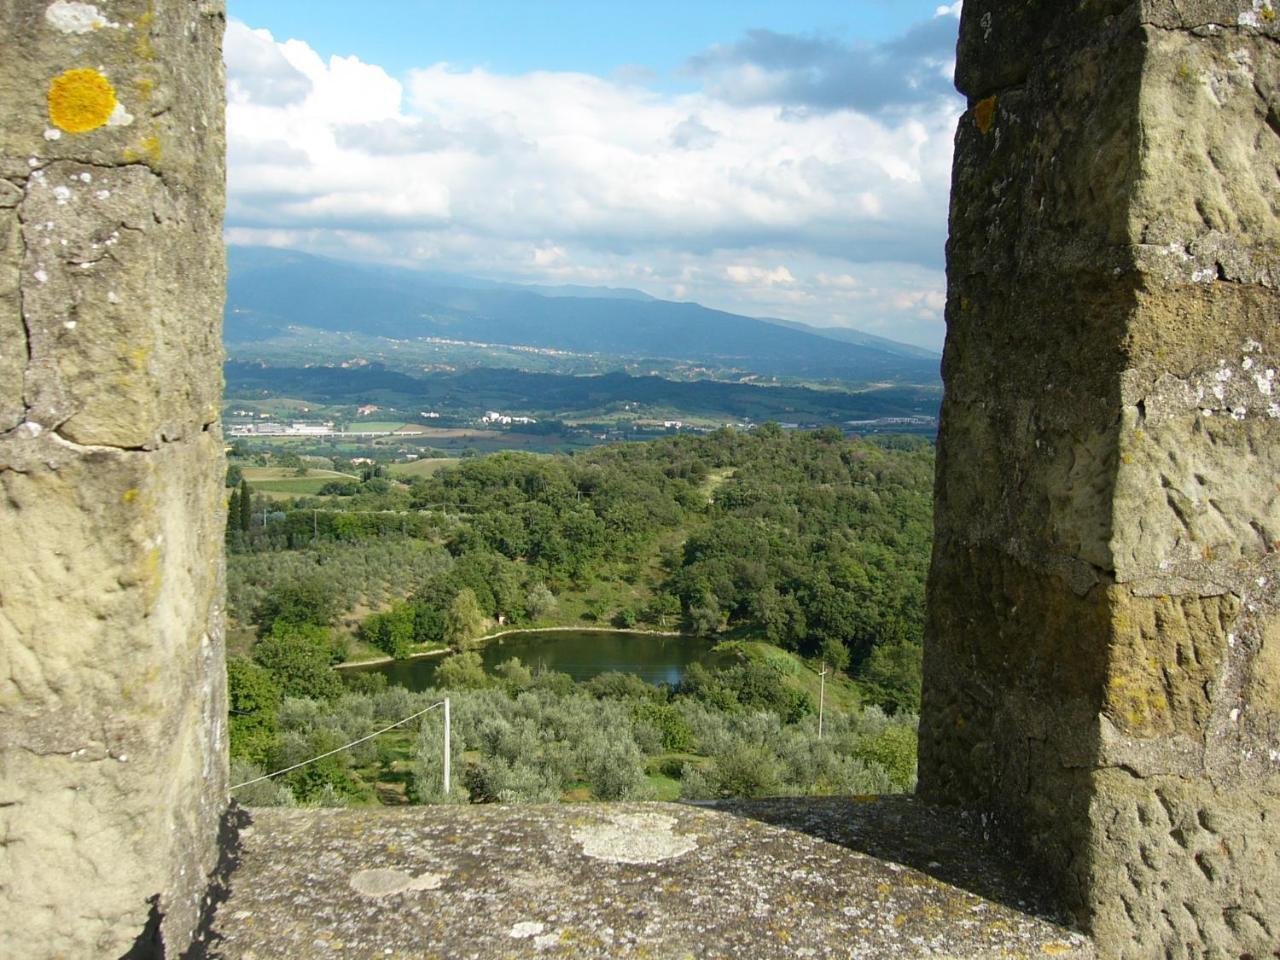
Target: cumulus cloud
[692, 134]
[823, 215]
[257, 69]
[823, 73]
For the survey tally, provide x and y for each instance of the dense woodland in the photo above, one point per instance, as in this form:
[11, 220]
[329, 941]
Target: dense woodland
[808, 544]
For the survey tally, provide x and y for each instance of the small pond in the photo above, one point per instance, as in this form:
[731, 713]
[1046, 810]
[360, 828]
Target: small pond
[580, 653]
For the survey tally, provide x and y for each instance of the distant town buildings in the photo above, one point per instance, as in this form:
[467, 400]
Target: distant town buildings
[367, 409]
[915, 421]
[494, 417]
[281, 429]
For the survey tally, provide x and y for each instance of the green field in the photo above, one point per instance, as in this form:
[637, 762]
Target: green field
[422, 468]
[381, 426]
[281, 482]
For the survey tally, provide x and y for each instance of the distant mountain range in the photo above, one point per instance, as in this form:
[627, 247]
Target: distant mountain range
[270, 291]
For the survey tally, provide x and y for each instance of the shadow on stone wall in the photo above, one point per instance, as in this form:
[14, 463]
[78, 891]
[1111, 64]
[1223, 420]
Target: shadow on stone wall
[944, 843]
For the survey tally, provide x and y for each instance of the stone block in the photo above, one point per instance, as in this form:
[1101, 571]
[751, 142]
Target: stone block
[112, 701]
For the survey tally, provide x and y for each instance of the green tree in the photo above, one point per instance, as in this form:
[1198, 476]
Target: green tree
[539, 601]
[308, 601]
[253, 699]
[391, 632]
[297, 655]
[233, 514]
[246, 505]
[892, 675]
[462, 671]
[234, 476]
[464, 620]
[514, 674]
[835, 654]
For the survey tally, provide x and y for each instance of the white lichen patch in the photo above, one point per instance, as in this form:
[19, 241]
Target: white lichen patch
[525, 929]
[72, 17]
[383, 882]
[53, 133]
[634, 838]
[1253, 18]
[120, 117]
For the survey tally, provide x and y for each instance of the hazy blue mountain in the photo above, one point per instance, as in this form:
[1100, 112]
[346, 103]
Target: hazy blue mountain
[594, 293]
[270, 290]
[849, 335]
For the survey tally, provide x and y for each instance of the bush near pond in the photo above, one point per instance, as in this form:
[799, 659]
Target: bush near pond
[520, 736]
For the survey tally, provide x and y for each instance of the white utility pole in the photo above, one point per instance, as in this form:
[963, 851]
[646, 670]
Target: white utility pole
[822, 697]
[446, 747]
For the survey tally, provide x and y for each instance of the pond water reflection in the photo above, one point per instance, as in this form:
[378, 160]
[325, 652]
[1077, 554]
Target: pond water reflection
[580, 653]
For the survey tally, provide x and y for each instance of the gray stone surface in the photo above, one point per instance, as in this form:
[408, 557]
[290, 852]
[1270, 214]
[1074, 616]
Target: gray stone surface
[1101, 645]
[112, 708]
[873, 878]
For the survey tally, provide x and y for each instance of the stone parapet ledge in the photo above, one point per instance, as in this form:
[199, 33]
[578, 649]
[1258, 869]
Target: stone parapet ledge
[797, 877]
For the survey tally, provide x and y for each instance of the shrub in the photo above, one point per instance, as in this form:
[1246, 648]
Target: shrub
[893, 749]
[621, 686]
[614, 767]
[462, 671]
[676, 736]
[515, 675]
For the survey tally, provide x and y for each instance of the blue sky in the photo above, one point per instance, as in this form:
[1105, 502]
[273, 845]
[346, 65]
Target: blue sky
[591, 36]
[776, 159]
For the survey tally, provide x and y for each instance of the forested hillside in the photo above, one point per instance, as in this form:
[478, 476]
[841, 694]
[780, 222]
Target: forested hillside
[808, 542]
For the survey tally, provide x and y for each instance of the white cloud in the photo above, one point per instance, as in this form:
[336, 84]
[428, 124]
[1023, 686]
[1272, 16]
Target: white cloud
[257, 69]
[740, 273]
[826, 216]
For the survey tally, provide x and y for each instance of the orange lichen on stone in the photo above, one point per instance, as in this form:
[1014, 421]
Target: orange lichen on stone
[984, 114]
[80, 100]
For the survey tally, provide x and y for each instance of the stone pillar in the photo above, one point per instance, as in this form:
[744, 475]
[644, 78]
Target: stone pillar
[1102, 668]
[112, 705]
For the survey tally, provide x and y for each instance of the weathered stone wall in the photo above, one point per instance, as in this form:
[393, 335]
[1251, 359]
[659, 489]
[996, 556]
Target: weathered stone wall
[112, 709]
[1103, 654]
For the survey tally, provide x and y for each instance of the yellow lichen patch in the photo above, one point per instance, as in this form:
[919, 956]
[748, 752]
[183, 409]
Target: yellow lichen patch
[1056, 949]
[984, 115]
[1267, 13]
[148, 149]
[80, 100]
[143, 48]
[130, 495]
